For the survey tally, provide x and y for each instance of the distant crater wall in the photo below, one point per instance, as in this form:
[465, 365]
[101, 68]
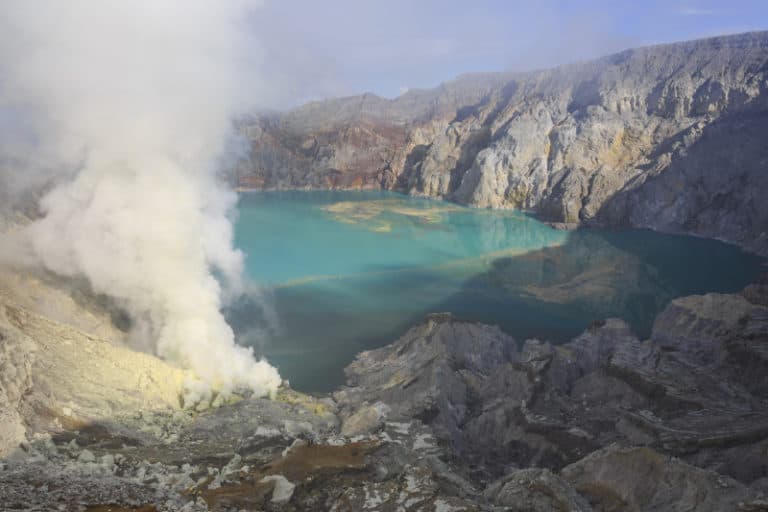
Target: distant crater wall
[669, 137]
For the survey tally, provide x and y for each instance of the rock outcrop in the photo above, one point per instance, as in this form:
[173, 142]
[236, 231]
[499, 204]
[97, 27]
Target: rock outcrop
[452, 416]
[667, 137]
[675, 422]
[64, 364]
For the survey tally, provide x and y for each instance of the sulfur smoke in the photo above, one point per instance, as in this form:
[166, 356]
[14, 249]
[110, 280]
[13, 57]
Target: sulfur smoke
[129, 107]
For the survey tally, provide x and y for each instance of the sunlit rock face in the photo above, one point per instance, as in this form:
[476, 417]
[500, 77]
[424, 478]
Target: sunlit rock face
[63, 363]
[667, 137]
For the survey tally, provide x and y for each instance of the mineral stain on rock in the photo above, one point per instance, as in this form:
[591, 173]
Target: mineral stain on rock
[306, 465]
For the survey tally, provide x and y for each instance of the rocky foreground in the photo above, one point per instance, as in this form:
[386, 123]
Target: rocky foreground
[669, 137]
[452, 416]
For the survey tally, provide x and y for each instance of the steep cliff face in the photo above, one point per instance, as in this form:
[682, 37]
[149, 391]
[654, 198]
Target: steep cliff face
[668, 137]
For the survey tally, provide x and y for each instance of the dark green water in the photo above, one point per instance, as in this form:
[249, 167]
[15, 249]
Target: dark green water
[349, 271]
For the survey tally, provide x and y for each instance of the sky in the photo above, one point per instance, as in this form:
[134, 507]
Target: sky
[315, 49]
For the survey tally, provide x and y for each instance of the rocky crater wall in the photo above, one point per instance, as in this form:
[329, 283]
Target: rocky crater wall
[669, 137]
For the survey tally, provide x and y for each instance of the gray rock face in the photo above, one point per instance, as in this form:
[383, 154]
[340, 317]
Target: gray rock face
[452, 416]
[535, 490]
[433, 373]
[609, 478]
[696, 391]
[667, 137]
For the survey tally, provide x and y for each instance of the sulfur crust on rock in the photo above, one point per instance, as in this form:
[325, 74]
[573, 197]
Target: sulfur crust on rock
[54, 372]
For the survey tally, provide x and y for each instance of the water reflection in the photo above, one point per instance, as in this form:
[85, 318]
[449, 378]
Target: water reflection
[339, 287]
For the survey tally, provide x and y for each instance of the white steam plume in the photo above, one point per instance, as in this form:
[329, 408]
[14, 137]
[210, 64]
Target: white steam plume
[137, 98]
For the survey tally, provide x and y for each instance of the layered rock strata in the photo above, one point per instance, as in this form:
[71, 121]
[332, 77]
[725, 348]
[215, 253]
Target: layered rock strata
[667, 137]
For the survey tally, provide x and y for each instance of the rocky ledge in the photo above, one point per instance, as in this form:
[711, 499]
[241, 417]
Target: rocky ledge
[452, 416]
[668, 137]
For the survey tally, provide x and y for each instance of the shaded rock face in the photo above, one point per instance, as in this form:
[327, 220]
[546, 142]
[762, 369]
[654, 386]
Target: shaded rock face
[642, 479]
[535, 490]
[452, 416]
[431, 375]
[696, 391]
[666, 137]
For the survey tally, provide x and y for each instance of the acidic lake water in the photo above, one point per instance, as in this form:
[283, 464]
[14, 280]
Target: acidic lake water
[343, 272]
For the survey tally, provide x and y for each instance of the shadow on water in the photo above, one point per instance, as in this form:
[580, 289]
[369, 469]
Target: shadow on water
[556, 292]
[552, 293]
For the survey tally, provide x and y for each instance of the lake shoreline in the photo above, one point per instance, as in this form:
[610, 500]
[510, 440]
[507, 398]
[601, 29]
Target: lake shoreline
[349, 271]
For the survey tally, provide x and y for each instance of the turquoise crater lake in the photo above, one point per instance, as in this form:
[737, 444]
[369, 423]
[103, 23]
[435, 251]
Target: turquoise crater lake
[343, 272]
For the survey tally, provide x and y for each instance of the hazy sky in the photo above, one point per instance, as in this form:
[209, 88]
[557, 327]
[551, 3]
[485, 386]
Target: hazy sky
[323, 48]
